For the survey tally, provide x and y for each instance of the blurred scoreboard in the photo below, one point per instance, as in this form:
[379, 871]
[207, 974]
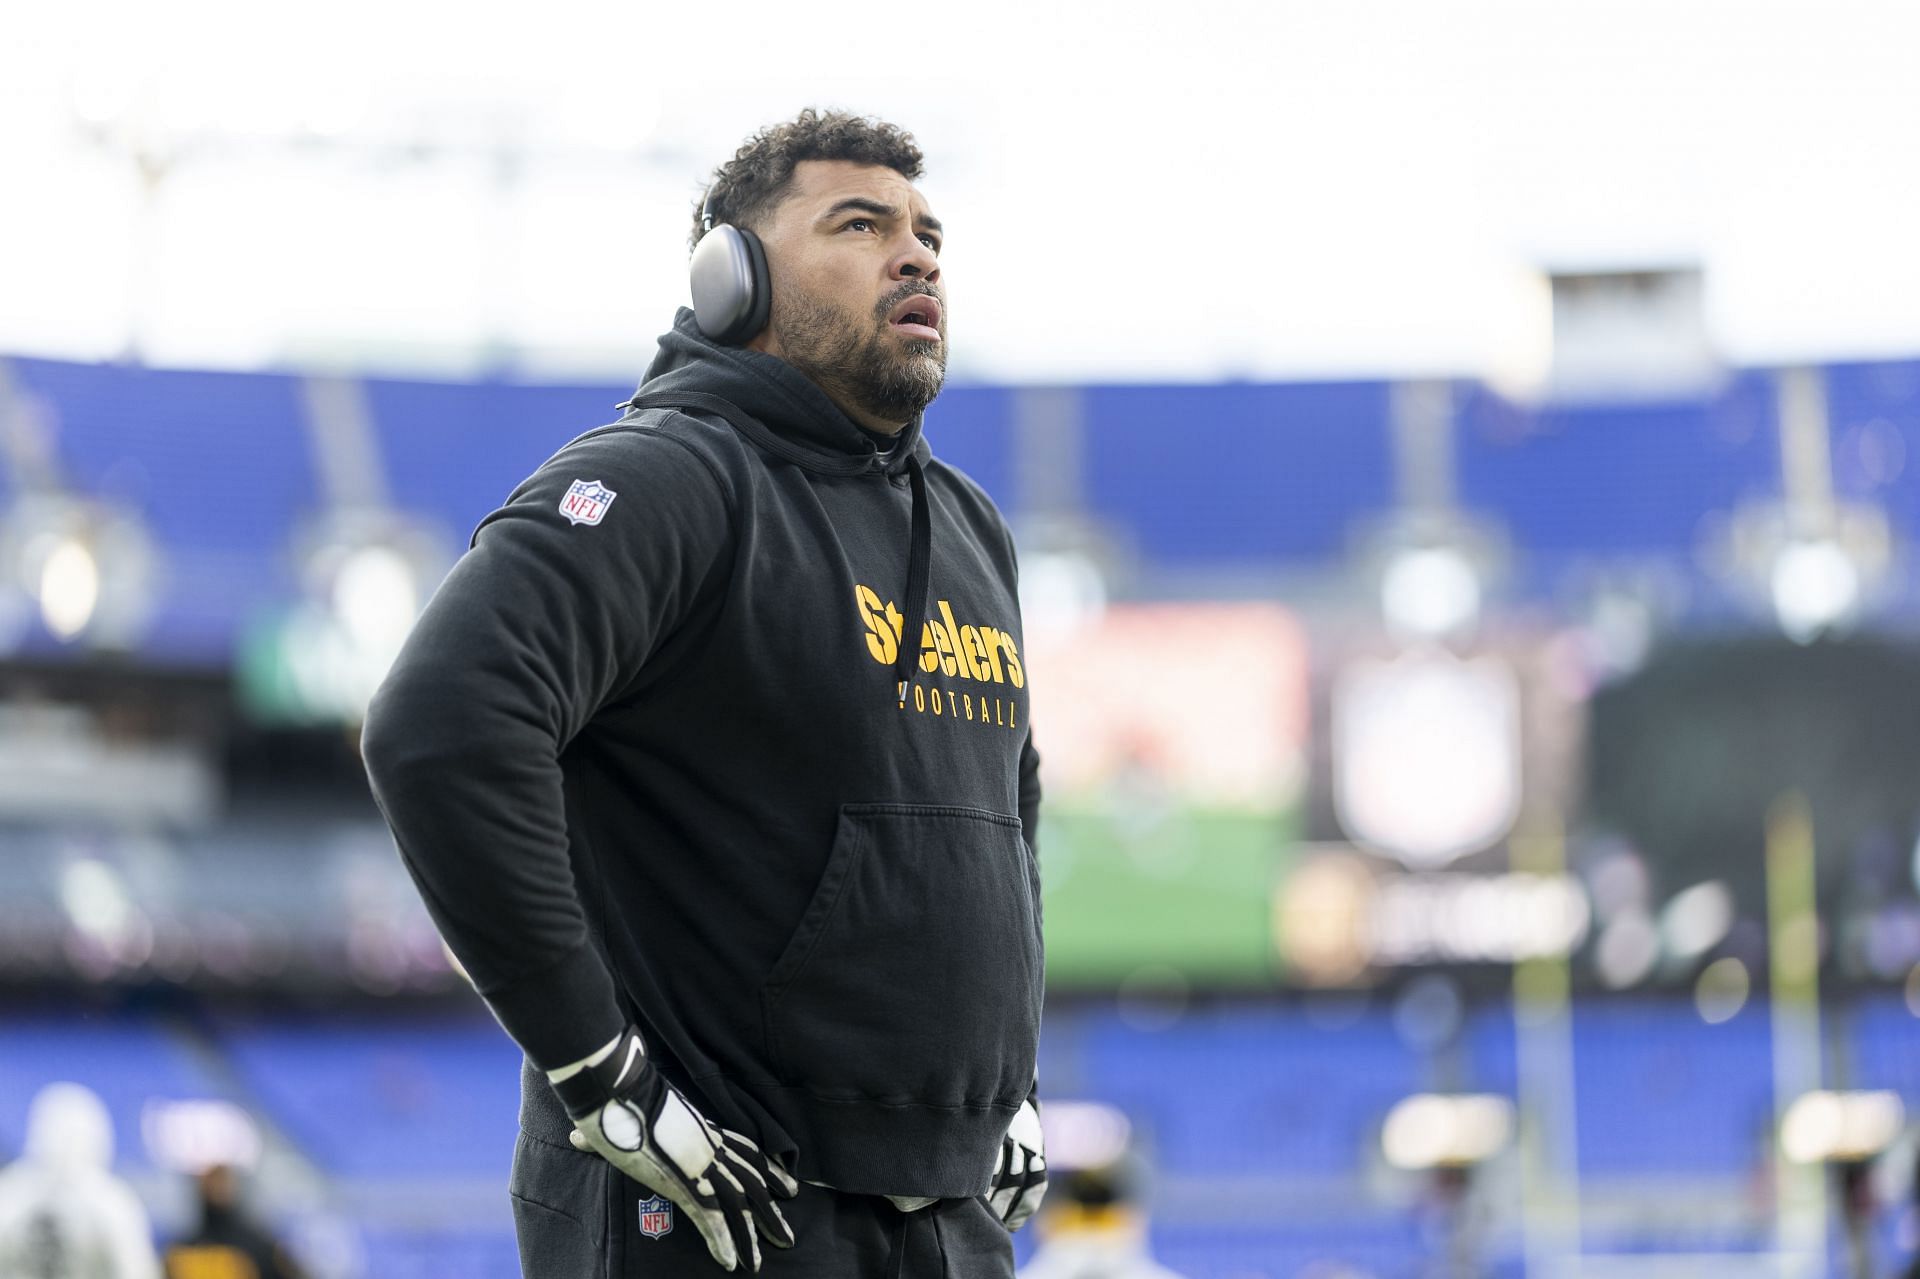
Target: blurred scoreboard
[1230, 805]
[1173, 743]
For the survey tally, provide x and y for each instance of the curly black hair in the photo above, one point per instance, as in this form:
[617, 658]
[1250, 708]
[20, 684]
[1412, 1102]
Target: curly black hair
[747, 187]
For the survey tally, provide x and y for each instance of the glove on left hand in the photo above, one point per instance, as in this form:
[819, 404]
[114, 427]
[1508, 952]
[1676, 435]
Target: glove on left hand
[1020, 1176]
[625, 1111]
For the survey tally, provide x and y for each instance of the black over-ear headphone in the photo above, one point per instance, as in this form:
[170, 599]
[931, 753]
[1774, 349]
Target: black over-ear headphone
[731, 290]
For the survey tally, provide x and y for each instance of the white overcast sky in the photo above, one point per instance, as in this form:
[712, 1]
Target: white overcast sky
[1132, 190]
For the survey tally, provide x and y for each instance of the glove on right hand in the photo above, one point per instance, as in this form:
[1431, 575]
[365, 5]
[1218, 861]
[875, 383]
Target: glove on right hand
[626, 1112]
[1020, 1176]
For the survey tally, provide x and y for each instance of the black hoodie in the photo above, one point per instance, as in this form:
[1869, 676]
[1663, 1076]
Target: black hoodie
[655, 752]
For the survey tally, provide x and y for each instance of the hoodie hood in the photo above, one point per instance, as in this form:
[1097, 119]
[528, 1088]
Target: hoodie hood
[68, 1127]
[775, 393]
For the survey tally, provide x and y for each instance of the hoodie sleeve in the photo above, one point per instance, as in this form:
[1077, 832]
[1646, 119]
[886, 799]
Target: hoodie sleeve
[547, 618]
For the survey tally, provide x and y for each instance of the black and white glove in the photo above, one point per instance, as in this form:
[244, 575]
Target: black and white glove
[626, 1112]
[1020, 1176]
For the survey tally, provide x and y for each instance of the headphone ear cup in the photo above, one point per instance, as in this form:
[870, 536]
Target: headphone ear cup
[732, 294]
[761, 308]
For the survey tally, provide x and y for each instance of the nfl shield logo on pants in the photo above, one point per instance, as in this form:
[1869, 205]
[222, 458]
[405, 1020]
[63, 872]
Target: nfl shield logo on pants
[656, 1216]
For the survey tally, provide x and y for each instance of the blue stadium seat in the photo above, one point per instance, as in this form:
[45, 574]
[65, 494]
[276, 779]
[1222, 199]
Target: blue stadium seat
[128, 1061]
[1238, 473]
[388, 1099]
[1885, 1038]
[1617, 480]
[1225, 476]
[416, 1254]
[1660, 1090]
[971, 427]
[1251, 1091]
[454, 451]
[218, 466]
[1873, 413]
[1381, 1244]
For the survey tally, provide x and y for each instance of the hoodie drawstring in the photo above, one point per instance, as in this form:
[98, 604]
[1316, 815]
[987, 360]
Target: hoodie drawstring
[906, 1226]
[919, 566]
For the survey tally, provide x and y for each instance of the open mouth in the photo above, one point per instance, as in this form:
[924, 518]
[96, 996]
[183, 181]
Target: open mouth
[917, 316]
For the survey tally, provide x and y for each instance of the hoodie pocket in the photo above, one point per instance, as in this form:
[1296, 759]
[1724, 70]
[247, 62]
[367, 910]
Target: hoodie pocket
[915, 974]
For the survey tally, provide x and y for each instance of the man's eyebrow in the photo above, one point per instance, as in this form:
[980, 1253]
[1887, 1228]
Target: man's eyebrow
[861, 204]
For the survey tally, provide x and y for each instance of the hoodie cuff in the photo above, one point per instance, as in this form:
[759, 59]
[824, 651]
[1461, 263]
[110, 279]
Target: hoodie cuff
[560, 1013]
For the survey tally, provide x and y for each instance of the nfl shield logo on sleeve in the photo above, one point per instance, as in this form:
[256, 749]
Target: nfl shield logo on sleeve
[656, 1216]
[586, 501]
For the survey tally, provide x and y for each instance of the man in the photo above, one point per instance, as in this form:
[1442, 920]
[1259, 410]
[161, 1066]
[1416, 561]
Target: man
[63, 1214]
[711, 760]
[228, 1244]
[1095, 1227]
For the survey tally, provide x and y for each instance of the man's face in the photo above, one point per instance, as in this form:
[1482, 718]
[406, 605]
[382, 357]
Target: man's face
[858, 304]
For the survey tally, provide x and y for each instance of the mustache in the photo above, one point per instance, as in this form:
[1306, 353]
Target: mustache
[911, 289]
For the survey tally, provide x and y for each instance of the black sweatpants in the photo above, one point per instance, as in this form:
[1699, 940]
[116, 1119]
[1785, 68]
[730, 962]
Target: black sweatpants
[577, 1217]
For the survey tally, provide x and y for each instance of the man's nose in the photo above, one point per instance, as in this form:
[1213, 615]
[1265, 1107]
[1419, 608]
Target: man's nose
[915, 261]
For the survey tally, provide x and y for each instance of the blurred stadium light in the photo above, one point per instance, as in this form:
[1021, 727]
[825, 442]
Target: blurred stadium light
[1433, 1130]
[1427, 755]
[86, 567]
[1085, 1134]
[193, 1135]
[1819, 559]
[1836, 1127]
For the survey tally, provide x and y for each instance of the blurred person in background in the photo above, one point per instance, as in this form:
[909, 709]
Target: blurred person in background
[1911, 1226]
[63, 1214]
[1095, 1227]
[228, 1243]
[711, 761]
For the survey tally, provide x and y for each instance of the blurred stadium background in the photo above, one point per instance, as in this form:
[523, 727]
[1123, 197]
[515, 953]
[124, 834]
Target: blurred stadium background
[1494, 428]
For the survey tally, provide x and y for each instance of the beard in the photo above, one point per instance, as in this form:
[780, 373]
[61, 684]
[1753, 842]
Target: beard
[860, 362]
